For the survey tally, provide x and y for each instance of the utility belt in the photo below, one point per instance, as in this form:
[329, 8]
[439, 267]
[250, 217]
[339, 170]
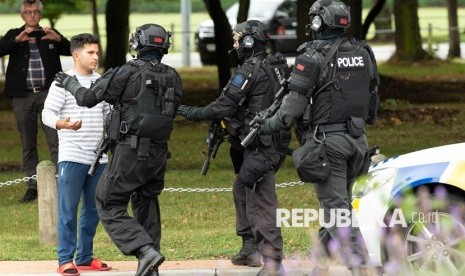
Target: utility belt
[134, 141]
[37, 89]
[142, 145]
[355, 126]
[331, 128]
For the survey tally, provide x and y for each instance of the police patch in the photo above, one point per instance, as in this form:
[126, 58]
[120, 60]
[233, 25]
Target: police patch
[238, 80]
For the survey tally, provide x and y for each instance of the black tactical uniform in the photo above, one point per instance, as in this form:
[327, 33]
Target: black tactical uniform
[333, 87]
[250, 90]
[145, 95]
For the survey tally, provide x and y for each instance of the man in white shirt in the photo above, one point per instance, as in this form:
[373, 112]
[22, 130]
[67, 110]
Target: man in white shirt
[79, 131]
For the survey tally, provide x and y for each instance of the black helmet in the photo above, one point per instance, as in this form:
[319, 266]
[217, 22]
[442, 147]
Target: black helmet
[150, 35]
[334, 14]
[250, 31]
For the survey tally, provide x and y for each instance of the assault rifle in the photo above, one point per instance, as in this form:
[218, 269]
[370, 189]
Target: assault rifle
[215, 138]
[264, 114]
[102, 148]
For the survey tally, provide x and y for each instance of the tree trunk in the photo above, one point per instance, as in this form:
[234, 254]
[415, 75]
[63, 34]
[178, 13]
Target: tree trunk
[117, 26]
[95, 28]
[382, 23]
[356, 28]
[408, 39]
[243, 14]
[303, 6]
[454, 36]
[223, 40]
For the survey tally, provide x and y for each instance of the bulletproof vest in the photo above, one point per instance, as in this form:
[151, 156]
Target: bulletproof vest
[343, 87]
[147, 107]
[254, 101]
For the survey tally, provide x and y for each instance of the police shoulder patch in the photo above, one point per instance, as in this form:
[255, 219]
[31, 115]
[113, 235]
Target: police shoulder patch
[238, 80]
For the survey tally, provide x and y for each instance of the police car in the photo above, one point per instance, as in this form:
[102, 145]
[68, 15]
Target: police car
[411, 210]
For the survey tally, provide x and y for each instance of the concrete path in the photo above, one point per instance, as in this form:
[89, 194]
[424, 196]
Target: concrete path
[191, 268]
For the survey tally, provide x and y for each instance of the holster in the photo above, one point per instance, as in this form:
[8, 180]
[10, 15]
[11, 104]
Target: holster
[114, 125]
[143, 148]
[367, 160]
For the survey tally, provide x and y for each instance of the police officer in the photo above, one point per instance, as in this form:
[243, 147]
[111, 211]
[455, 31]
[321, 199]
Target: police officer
[145, 94]
[333, 87]
[250, 90]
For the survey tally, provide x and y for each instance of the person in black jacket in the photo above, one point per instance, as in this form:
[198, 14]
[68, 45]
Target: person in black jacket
[34, 60]
[145, 94]
[334, 90]
[251, 89]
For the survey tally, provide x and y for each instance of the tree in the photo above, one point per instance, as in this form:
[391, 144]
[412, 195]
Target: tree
[243, 10]
[117, 19]
[454, 35]
[54, 9]
[374, 12]
[223, 39]
[303, 6]
[408, 39]
[95, 28]
[356, 18]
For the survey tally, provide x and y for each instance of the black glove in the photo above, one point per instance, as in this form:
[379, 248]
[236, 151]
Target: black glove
[183, 110]
[69, 83]
[266, 126]
[60, 78]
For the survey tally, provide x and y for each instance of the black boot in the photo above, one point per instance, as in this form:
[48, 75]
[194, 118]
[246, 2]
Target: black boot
[248, 255]
[30, 195]
[149, 261]
[272, 268]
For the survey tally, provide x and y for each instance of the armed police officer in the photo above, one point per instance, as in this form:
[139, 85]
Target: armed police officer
[145, 94]
[333, 87]
[250, 90]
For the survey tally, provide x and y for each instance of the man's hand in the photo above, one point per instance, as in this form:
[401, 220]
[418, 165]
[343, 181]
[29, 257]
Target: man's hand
[50, 34]
[69, 83]
[67, 124]
[60, 78]
[265, 126]
[183, 110]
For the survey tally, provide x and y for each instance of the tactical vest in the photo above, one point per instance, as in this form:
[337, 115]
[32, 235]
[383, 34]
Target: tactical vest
[149, 113]
[343, 87]
[251, 104]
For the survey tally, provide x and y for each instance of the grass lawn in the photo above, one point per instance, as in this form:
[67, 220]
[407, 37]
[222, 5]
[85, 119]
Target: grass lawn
[201, 225]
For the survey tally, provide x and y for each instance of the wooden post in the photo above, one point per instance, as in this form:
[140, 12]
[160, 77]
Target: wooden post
[47, 202]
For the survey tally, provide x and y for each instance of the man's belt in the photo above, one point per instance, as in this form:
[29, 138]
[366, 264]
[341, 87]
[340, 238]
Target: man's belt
[342, 127]
[37, 89]
[134, 141]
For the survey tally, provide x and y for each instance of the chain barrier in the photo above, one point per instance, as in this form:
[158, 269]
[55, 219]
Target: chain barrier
[170, 190]
[216, 190]
[19, 180]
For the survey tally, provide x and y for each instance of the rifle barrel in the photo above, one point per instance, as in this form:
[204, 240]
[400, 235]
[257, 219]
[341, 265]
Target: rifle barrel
[205, 165]
[250, 136]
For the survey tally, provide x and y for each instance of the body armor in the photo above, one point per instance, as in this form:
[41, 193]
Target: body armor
[147, 104]
[253, 103]
[339, 90]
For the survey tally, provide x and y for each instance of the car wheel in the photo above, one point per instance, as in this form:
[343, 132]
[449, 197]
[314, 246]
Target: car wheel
[433, 241]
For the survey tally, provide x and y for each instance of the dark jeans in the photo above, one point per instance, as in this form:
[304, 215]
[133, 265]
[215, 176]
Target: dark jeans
[28, 111]
[126, 178]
